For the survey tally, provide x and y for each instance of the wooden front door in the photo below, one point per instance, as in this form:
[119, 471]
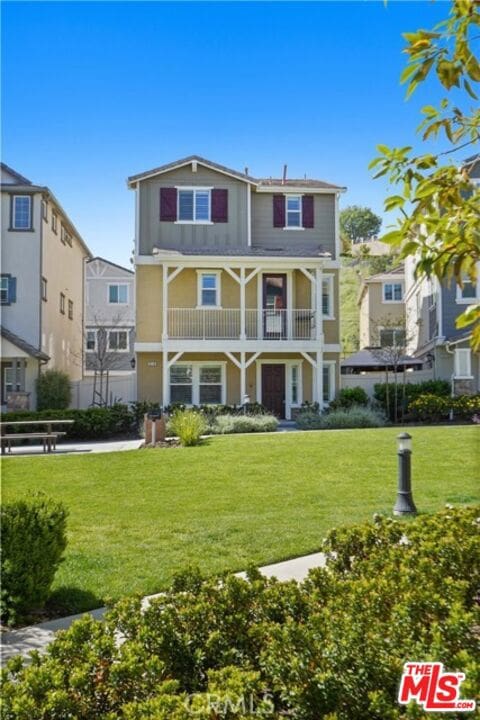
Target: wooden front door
[273, 389]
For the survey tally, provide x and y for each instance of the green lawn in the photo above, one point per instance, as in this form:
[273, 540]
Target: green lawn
[138, 517]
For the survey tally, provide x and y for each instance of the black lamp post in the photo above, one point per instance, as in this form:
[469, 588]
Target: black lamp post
[404, 504]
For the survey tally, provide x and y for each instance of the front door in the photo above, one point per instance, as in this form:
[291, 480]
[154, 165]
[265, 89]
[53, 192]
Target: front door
[273, 389]
[274, 306]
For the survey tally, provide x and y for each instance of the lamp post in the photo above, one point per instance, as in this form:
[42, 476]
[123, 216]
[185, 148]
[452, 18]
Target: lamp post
[404, 504]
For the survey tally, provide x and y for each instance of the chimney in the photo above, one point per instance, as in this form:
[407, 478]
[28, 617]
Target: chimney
[246, 170]
[284, 174]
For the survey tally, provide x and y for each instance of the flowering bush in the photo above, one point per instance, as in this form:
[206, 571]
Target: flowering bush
[330, 648]
[432, 408]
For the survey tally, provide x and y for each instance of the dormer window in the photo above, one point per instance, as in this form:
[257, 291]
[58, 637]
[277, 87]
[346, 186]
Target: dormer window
[194, 205]
[294, 211]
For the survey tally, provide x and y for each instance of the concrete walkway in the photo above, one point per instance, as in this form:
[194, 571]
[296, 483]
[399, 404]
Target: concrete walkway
[37, 637]
[74, 448]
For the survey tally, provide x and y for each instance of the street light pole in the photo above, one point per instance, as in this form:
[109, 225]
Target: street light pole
[404, 504]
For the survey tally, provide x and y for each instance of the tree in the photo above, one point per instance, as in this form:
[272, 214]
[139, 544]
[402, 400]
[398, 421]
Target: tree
[391, 339]
[439, 205]
[53, 390]
[359, 223]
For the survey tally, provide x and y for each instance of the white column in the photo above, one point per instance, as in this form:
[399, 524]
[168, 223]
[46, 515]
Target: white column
[318, 304]
[165, 384]
[243, 334]
[243, 378]
[165, 301]
[318, 392]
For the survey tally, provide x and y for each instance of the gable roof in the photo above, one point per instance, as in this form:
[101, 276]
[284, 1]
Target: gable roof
[396, 273]
[23, 344]
[244, 177]
[186, 161]
[20, 178]
[109, 262]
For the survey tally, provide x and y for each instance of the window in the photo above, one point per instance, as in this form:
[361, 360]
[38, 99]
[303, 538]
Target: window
[391, 337]
[54, 221]
[118, 294]
[208, 289]
[392, 292]
[197, 384]
[194, 205]
[66, 237]
[469, 292]
[44, 288]
[44, 210]
[327, 296]
[4, 290]
[70, 309]
[210, 385]
[62, 303]
[328, 381]
[181, 384]
[118, 340]
[294, 385]
[91, 341]
[22, 212]
[463, 363]
[294, 211]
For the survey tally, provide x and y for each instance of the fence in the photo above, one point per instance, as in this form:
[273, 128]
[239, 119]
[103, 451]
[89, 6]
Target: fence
[121, 388]
[370, 379]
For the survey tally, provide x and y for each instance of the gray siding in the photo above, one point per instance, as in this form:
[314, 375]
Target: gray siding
[266, 236]
[450, 311]
[115, 361]
[169, 235]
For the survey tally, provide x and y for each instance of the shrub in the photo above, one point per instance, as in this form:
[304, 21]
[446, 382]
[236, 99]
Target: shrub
[53, 390]
[348, 397]
[33, 540]
[406, 393]
[356, 416]
[188, 426]
[330, 647]
[466, 406]
[431, 408]
[244, 424]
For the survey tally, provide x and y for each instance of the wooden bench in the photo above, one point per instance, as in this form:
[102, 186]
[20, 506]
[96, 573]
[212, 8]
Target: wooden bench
[49, 439]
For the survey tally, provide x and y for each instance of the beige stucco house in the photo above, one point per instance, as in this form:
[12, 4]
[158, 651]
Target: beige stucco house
[42, 289]
[236, 287]
[382, 309]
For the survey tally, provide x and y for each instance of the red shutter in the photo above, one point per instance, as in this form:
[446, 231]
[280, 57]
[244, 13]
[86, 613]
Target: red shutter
[168, 204]
[307, 211]
[219, 206]
[279, 211]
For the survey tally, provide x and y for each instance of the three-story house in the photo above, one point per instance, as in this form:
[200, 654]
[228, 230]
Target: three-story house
[236, 287]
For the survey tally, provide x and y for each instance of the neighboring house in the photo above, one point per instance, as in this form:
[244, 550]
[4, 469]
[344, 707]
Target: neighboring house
[109, 317]
[42, 289]
[432, 309]
[236, 287]
[382, 309]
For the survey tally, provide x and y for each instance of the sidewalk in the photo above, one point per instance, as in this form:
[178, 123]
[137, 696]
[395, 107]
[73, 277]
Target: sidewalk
[67, 448]
[37, 637]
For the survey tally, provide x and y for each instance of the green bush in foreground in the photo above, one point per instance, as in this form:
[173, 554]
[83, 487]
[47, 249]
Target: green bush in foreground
[356, 416]
[243, 424]
[53, 390]
[347, 397]
[330, 648]
[33, 540]
[188, 426]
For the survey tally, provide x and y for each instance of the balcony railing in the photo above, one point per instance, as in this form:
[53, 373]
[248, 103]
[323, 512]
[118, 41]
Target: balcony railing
[226, 324]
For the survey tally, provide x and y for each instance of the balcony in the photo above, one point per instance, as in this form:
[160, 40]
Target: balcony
[226, 324]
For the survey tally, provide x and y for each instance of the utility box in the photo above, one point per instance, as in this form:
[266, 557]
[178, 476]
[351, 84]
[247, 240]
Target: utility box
[155, 428]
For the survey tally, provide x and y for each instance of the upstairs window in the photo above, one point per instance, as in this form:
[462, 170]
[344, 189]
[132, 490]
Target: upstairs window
[327, 297]
[469, 292]
[62, 303]
[392, 292]
[22, 212]
[463, 363]
[70, 309]
[44, 288]
[392, 337]
[194, 205]
[54, 222]
[208, 289]
[118, 294]
[66, 237]
[294, 211]
[4, 289]
[91, 341]
[118, 340]
[44, 210]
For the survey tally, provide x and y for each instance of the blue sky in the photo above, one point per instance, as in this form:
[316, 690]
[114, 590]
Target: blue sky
[93, 92]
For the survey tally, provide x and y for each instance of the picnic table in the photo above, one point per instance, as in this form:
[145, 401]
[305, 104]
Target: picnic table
[48, 436]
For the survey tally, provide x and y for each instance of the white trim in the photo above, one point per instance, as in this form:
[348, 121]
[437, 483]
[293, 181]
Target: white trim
[175, 166]
[200, 261]
[137, 218]
[118, 330]
[249, 216]
[117, 284]
[331, 364]
[468, 300]
[30, 212]
[299, 211]
[288, 363]
[94, 331]
[330, 279]
[467, 353]
[196, 365]
[277, 189]
[194, 189]
[393, 283]
[218, 289]
[337, 226]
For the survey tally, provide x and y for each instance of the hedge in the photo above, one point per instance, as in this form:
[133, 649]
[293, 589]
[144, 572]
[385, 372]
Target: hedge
[431, 408]
[33, 540]
[355, 416]
[406, 393]
[331, 648]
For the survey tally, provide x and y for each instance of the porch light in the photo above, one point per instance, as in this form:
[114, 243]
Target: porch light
[132, 363]
[404, 504]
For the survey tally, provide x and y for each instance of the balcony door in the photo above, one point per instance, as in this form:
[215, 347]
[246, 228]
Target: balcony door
[274, 306]
[273, 389]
